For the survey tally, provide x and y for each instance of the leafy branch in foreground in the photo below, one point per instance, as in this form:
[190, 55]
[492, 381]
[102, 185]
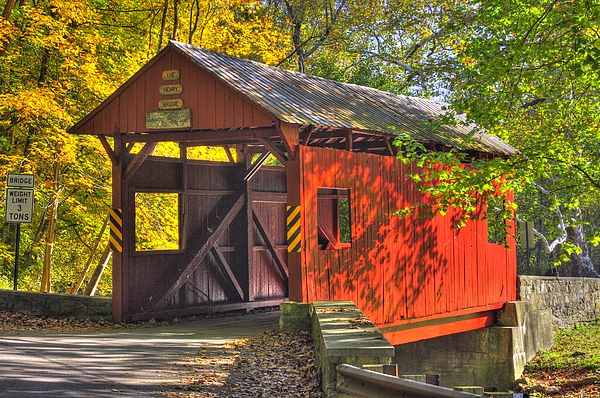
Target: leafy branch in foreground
[453, 180]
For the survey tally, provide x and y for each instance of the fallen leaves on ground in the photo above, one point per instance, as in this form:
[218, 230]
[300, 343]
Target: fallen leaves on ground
[14, 323]
[572, 383]
[571, 368]
[271, 364]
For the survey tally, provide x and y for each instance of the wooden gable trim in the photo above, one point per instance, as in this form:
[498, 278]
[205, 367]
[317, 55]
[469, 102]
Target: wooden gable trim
[115, 95]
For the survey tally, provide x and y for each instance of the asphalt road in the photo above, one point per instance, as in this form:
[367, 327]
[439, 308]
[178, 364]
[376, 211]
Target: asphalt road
[116, 363]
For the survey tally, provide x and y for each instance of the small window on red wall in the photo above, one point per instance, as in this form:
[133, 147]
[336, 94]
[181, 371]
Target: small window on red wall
[333, 208]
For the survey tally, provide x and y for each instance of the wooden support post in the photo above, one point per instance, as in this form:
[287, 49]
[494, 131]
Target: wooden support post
[294, 181]
[248, 238]
[349, 140]
[244, 236]
[119, 190]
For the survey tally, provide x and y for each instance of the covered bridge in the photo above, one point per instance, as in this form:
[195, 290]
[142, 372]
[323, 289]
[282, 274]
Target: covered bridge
[318, 226]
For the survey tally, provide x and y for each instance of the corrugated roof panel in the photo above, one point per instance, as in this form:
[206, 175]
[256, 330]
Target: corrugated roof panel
[299, 98]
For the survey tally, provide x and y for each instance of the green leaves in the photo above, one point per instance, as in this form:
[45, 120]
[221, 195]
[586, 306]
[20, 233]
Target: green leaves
[451, 180]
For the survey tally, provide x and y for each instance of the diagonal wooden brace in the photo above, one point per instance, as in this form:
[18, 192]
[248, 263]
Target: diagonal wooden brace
[204, 250]
[279, 262]
[226, 269]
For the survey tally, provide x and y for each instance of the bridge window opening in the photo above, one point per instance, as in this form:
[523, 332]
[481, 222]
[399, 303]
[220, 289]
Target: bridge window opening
[333, 218]
[495, 212]
[210, 153]
[156, 221]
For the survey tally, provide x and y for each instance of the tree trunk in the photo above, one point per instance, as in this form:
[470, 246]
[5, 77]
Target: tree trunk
[51, 233]
[10, 4]
[77, 286]
[90, 290]
[580, 264]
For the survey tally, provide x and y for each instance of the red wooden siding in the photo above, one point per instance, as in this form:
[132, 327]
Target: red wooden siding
[399, 268]
[213, 105]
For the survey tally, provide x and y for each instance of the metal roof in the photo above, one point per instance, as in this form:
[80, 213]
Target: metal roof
[304, 99]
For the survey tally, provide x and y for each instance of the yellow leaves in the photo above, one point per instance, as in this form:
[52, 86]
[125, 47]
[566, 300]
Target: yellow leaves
[7, 33]
[241, 29]
[35, 103]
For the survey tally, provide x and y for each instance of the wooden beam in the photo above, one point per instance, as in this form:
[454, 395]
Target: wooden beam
[211, 241]
[349, 140]
[267, 143]
[309, 132]
[256, 166]
[229, 155]
[246, 236]
[227, 271]
[204, 137]
[389, 145]
[333, 242]
[138, 160]
[290, 136]
[108, 149]
[279, 262]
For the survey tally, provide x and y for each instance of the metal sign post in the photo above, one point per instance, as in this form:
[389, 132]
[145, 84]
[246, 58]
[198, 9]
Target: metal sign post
[19, 209]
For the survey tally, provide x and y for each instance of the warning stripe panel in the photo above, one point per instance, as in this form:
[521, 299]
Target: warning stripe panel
[293, 229]
[116, 230]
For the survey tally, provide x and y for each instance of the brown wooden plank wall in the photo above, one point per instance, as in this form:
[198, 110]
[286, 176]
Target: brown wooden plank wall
[269, 202]
[213, 106]
[209, 193]
[397, 268]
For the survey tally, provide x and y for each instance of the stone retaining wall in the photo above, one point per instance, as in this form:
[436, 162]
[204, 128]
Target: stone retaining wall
[56, 305]
[573, 301]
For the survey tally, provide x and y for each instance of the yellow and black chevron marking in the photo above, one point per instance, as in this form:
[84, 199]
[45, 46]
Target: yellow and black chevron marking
[116, 230]
[293, 229]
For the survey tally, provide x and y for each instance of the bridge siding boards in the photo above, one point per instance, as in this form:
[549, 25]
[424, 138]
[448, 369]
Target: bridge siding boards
[397, 268]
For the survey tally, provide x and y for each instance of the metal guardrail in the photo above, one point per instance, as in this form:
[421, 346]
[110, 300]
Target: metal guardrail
[359, 382]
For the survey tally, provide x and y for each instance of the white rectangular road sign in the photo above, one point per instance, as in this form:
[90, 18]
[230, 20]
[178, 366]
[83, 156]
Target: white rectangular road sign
[19, 205]
[20, 180]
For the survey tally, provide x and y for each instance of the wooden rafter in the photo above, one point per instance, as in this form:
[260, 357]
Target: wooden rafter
[204, 250]
[389, 145]
[267, 143]
[226, 269]
[279, 262]
[290, 136]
